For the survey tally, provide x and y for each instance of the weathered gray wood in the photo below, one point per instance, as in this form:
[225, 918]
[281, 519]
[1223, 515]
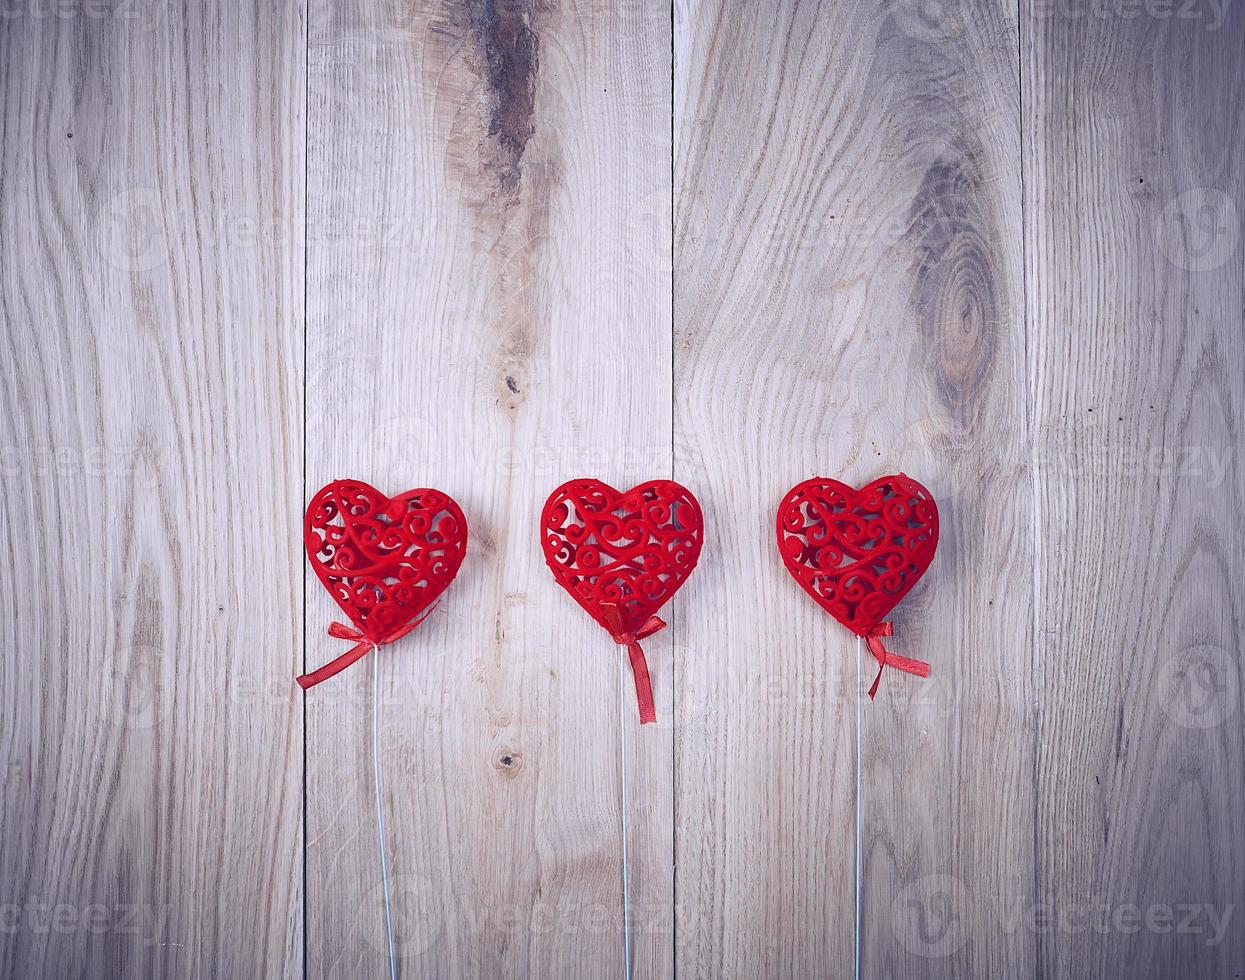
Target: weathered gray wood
[765, 790]
[933, 309]
[489, 314]
[1004, 258]
[1135, 175]
[150, 303]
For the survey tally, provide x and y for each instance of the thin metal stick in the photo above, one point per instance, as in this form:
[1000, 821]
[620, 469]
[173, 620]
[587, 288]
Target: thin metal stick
[859, 654]
[380, 811]
[622, 759]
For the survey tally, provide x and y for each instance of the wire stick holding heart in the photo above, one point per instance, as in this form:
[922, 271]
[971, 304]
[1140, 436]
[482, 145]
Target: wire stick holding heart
[622, 556]
[385, 561]
[622, 768]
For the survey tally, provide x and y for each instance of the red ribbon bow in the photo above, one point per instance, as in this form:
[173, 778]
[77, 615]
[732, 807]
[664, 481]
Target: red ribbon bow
[639, 667]
[365, 643]
[886, 658]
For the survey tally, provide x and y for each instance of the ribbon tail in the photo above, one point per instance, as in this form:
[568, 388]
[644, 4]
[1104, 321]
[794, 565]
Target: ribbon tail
[342, 632]
[886, 658]
[334, 666]
[639, 666]
[643, 686]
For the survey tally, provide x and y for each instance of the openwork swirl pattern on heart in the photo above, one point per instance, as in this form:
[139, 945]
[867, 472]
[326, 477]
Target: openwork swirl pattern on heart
[384, 561]
[858, 552]
[622, 556]
[631, 550]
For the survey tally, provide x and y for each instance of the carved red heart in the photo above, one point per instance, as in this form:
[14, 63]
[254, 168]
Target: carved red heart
[858, 552]
[384, 559]
[630, 550]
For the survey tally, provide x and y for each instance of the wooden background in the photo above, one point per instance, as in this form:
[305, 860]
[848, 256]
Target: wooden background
[486, 245]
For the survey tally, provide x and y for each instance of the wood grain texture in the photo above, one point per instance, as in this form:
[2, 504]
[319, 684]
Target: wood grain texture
[510, 329]
[150, 308]
[765, 755]
[1135, 137]
[934, 314]
[998, 248]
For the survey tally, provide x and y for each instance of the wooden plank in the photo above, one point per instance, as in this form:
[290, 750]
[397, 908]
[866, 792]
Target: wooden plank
[150, 302]
[849, 302]
[1135, 129]
[946, 764]
[765, 789]
[488, 299]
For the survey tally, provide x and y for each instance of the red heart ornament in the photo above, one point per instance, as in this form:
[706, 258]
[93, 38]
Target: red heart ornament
[384, 560]
[858, 552]
[622, 555]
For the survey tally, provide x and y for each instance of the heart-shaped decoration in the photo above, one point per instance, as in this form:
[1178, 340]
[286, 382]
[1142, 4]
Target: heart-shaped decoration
[858, 552]
[626, 551]
[384, 560]
[622, 556]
